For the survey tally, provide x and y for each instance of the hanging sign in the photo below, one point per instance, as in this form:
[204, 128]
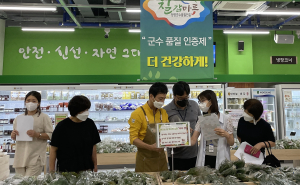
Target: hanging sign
[176, 40]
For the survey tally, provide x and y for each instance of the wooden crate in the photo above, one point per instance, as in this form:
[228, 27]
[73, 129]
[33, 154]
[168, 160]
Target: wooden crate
[115, 158]
[280, 154]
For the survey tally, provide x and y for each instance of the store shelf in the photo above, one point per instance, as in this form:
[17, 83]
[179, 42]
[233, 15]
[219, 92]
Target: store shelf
[5, 136]
[115, 133]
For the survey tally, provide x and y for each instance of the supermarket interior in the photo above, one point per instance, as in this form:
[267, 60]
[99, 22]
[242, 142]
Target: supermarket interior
[113, 51]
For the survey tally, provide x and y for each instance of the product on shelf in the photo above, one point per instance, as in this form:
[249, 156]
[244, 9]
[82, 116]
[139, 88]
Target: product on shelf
[57, 95]
[50, 95]
[22, 95]
[65, 95]
[14, 96]
[4, 97]
[102, 128]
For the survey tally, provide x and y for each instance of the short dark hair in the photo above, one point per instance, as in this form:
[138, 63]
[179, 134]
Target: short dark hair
[38, 96]
[254, 107]
[158, 88]
[78, 104]
[211, 96]
[180, 87]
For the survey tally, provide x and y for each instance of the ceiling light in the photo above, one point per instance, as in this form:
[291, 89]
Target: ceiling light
[133, 10]
[275, 13]
[49, 29]
[135, 30]
[245, 32]
[28, 8]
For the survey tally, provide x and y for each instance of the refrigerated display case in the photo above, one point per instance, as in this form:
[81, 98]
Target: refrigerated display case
[267, 96]
[288, 100]
[111, 104]
[235, 98]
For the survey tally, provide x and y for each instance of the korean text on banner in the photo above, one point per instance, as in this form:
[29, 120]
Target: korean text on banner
[175, 134]
[24, 123]
[176, 40]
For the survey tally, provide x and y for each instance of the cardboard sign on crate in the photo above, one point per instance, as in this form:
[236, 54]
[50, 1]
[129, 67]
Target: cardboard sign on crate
[176, 134]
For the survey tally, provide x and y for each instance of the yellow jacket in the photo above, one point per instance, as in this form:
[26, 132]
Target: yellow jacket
[138, 122]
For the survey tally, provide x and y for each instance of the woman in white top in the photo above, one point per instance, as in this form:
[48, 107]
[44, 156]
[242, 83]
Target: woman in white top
[30, 156]
[213, 152]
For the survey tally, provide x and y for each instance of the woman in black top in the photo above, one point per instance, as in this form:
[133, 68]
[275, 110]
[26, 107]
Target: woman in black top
[74, 139]
[253, 129]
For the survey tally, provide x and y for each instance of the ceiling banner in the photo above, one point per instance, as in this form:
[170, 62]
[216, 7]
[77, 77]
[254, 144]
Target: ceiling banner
[176, 40]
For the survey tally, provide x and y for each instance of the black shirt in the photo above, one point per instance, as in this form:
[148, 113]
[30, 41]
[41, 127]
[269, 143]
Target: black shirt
[254, 134]
[75, 143]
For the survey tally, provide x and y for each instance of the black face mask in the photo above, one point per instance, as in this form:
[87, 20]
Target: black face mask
[183, 103]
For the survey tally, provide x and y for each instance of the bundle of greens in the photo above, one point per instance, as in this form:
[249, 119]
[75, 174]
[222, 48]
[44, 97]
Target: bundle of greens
[85, 178]
[108, 145]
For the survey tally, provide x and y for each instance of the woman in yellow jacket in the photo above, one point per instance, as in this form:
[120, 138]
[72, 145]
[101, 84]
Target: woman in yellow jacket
[143, 131]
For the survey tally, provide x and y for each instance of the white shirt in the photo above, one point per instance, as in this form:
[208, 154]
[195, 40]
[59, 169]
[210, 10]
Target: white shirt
[223, 149]
[28, 152]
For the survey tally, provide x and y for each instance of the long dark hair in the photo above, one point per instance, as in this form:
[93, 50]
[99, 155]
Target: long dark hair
[211, 96]
[38, 96]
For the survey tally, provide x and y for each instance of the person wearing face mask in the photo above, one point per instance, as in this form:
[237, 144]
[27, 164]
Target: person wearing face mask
[30, 156]
[183, 109]
[74, 140]
[142, 131]
[253, 129]
[213, 152]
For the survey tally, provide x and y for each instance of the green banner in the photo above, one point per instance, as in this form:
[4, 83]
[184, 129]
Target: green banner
[83, 52]
[176, 40]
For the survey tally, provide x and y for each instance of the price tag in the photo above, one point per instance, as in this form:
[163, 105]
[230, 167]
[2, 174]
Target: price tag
[210, 87]
[71, 88]
[129, 87]
[18, 88]
[117, 87]
[199, 87]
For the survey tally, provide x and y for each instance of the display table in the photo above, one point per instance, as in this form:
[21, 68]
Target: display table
[170, 183]
[117, 158]
[280, 154]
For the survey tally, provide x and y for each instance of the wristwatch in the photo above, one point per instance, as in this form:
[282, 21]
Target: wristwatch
[40, 135]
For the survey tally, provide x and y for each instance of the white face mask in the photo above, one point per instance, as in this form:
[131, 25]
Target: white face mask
[83, 116]
[248, 118]
[203, 107]
[158, 104]
[31, 106]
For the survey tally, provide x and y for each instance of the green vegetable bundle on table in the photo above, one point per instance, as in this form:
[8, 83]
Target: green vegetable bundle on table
[110, 146]
[235, 173]
[123, 177]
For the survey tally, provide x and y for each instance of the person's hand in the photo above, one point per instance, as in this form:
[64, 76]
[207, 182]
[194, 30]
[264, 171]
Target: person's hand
[95, 168]
[14, 134]
[256, 148]
[221, 132]
[155, 149]
[32, 133]
[191, 130]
